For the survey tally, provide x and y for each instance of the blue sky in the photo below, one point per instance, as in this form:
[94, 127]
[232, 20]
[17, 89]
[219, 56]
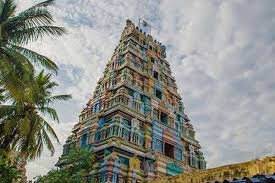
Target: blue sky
[221, 54]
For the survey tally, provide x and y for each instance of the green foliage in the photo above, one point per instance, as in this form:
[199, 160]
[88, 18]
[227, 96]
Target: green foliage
[55, 176]
[76, 166]
[23, 128]
[25, 96]
[17, 29]
[79, 160]
[8, 172]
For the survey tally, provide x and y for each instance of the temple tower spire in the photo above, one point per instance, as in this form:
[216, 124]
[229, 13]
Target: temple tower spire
[135, 122]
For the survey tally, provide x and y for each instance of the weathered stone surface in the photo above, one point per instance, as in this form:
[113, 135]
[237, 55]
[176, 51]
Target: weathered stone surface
[265, 166]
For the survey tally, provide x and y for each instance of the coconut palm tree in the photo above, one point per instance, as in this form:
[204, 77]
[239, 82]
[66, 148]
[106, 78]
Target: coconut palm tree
[17, 72]
[24, 129]
[23, 124]
[17, 30]
[26, 98]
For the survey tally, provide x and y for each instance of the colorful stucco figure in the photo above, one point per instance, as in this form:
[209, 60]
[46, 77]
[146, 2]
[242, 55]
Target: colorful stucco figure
[137, 113]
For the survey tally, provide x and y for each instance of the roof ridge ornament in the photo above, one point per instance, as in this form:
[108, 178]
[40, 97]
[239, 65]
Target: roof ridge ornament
[144, 26]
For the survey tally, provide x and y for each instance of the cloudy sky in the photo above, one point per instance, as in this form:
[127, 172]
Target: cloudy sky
[222, 54]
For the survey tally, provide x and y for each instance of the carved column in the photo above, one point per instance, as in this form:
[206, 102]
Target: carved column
[93, 130]
[148, 135]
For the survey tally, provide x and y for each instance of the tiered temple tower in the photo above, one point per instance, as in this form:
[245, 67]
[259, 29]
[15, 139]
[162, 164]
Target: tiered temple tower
[135, 121]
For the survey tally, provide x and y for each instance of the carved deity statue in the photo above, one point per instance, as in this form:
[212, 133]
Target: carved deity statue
[134, 163]
[128, 29]
[135, 123]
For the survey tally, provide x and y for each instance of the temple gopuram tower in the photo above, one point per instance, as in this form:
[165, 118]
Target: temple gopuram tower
[135, 121]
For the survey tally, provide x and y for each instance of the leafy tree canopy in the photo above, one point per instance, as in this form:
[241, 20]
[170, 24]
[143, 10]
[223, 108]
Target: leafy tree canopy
[76, 165]
[8, 171]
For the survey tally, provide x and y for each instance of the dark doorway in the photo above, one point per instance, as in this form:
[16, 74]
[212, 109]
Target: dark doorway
[156, 75]
[169, 150]
[158, 94]
[163, 118]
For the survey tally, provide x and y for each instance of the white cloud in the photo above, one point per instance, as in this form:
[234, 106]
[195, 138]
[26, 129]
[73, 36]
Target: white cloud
[221, 53]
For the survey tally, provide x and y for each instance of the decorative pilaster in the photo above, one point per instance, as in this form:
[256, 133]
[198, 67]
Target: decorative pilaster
[148, 135]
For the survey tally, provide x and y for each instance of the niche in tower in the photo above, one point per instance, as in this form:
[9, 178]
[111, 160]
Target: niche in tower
[169, 150]
[164, 118]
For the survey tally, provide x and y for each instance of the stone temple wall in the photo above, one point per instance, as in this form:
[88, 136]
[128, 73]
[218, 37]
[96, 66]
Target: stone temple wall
[265, 166]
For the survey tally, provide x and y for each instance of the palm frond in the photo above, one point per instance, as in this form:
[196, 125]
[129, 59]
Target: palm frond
[37, 148]
[28, 18]
[48, 128]
[7, 10]
[58, 98]
[34, 33]
[3, 95]
[11, 79]
[50, 85]
[48, 142]
[25, 20]
[7, 111]
[27, 141]
[49, 111]
[9, 126]
[24, 36]
[8, 134]
[36, 58]
[24, 126]
[17, 60]
[44, 81]
[44, 4]
[16, 70]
